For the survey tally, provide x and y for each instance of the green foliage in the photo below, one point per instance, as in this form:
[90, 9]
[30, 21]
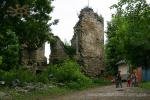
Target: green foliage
[81, 83]
[101, 81]
[69, 73]
[1, 60]
[69, 50]
[128, 34]
[133, 32]
[145, 85]
[42, 77]
[9, 50]
[112, 53]
[32, 29]
[8, 77]
[23, 75]
[100, 18]
[66, 74]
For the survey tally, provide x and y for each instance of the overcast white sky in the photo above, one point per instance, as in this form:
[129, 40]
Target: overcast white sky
[67, 12]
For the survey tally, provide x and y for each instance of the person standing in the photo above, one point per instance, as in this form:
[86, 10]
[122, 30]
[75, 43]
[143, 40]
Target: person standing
[133, 80]
[129, 81]
[118, 80]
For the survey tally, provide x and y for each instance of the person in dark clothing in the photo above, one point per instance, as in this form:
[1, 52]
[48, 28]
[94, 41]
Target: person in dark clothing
[133, 80]
[118, 80]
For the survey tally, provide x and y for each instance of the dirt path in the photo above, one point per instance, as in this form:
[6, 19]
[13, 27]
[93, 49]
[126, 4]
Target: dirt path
[107, 93]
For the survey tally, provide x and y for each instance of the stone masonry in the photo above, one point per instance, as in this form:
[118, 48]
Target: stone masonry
[88, 40]
[58, 53]
[33, 56]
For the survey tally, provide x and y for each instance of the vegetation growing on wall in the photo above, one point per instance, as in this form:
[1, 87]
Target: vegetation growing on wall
[69, 50]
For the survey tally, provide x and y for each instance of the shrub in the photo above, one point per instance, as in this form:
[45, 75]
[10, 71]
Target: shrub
[69, 50]
[22, 75]
[65, 72]
[25, 75]
[7, 76]
[70, 74]
[1, 60]
[82, 82]
[101, 81]
[42, 77]
[9, 50]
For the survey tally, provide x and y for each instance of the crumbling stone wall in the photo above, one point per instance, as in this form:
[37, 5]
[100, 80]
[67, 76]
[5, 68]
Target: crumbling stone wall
[58, 53]
[88, 40]
[33, 56]
[36, 58]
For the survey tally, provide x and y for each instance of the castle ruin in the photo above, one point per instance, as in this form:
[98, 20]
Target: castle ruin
[88, 40]
[29, 57]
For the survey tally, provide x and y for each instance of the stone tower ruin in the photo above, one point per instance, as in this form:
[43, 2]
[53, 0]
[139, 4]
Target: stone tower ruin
[88, 40]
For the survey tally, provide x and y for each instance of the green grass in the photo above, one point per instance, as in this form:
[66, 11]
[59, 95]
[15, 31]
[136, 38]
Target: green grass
[145, 85]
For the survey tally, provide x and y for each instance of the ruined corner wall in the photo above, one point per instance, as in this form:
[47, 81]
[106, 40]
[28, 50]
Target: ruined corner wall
[58, 53]
[88, 40]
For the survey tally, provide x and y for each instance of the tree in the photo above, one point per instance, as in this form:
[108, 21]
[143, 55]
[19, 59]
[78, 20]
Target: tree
[113, 54]
[1, 60]
[9, 50]
[28, 21]
[131, 31]
[32, 29]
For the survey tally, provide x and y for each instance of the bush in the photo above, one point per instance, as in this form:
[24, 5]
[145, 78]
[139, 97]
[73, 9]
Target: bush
[101, 81]
[1, 60]
[7, 76]
[69, 50]
[42, 77]
[28, 76]
[69, 73]
[82, 82]
[9, 50]
[23, 75]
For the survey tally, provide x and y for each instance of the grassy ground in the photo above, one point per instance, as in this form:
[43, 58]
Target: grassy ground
[50, 92]
[32, 95]
[145, 85]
